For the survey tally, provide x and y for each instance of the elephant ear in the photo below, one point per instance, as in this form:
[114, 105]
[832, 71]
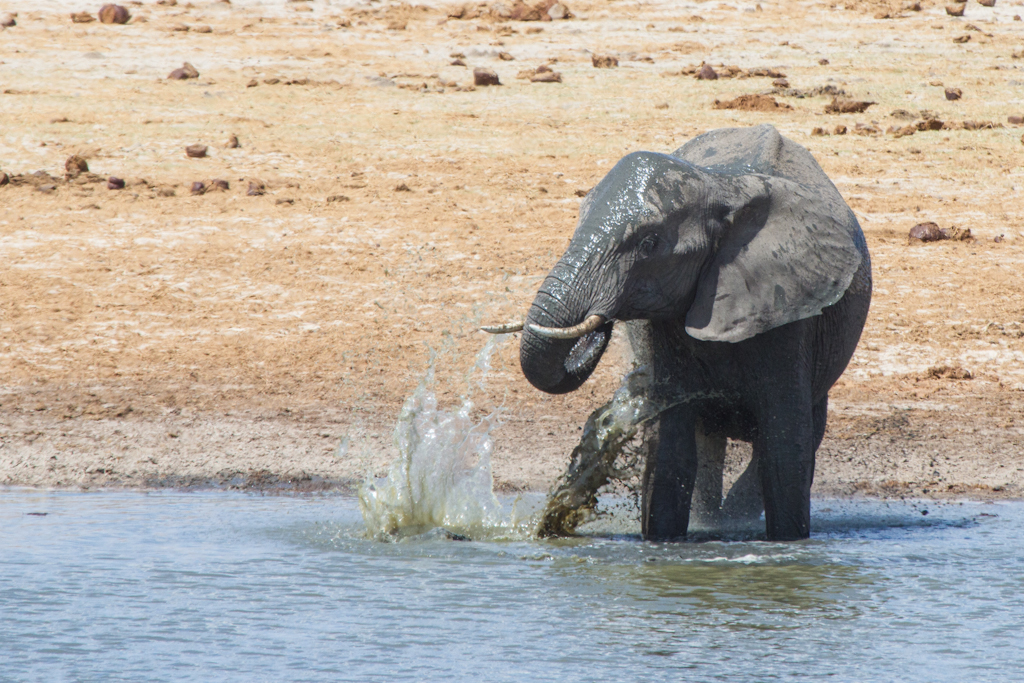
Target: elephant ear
[786, 251]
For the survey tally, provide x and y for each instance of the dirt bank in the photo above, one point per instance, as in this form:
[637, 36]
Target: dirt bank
[151, 337]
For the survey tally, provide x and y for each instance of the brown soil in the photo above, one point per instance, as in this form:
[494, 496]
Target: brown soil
[378, 207]
[752, 103]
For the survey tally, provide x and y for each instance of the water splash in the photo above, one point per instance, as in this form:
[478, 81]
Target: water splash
[442, 477]
[603, 456]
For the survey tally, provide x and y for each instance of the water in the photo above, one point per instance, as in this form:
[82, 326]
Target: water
[219, 586]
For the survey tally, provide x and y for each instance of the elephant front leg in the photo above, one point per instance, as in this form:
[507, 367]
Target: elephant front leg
[784, 450]
[669, 476]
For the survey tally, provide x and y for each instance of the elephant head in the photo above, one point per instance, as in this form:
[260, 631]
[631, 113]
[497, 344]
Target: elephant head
[727, 251]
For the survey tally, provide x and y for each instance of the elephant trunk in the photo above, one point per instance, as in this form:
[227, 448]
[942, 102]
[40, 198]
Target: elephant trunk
[560, 365]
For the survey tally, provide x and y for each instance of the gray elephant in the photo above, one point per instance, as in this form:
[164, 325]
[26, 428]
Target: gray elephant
[745, 281]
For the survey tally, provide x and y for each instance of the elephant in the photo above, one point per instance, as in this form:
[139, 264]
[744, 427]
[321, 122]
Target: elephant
[744, 281]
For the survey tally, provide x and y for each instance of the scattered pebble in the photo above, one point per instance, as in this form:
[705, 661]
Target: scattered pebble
[960, 40]
[82, 17]
[256, 188]
[840, 105]
[1015, 120]
[402, 187]
[114, 14]
[115, 183]
[457, 62]
[546, 75]
[202, 29]
[218, 185]
[780, 83]
[252, 83]
[506, 57]
[604, 61]
[75, 165]
[198, 187]
[196, 151]
[185, 72]
[706, 73]
[7, 20]
[987, 3]
[927, 232]
[954, 94]
[663, 105]
[823, 62]
[483, 76]
[955, 10]
[337, 198]
[283, 200]
[839, 130]
[4, 178]
[232, 142]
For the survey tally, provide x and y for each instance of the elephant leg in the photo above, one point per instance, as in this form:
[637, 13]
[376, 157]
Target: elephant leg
[785, 454]
[706, 505]
[669, 476]
[745, 502]
[819, 415]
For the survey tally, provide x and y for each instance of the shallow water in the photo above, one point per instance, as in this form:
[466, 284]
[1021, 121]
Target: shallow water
[168, 586]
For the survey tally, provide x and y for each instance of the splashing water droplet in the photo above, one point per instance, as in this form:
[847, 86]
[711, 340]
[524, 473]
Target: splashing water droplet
[442, 476]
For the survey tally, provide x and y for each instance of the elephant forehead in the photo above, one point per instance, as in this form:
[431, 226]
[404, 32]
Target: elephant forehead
[642, 187]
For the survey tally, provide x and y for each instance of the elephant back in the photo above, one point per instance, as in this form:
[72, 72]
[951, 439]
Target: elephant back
[760, 149]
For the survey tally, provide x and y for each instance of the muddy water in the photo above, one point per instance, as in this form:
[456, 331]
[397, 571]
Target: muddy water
[116, 586]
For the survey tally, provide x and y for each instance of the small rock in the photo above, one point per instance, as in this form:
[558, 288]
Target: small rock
[987, 3]
[841, 105]
[604, 61]
[559, 11]
[483, 76]
[706, 73]
[402, 187]
[1015, 120]
[4, 178]
[955, 10]
[337, 198]
[185, 72]
[398, 25]
[252, 83]
[256, 188]
[839, 130]
[954, 94]
[523, 12]
[195, 151]
[998, 238]
[927, 232]
[283, 200]
[823, 62]
[168, 3]
[82, 17]
[780, 83]
[202, 29]
[232, 142]
[198, 187]
[115, 183]
[114, 14]
[458, 62]
[506, 57]
[663, 105]
[965, 38]
[817, 132]
[7, 20]
[546, 77]
[218, 185]
[271, 81]
[75, 165]
[911, 6]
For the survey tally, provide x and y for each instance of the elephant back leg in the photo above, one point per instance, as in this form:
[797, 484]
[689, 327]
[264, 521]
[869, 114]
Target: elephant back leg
[784, 451]
[706, 505]
[669, 475]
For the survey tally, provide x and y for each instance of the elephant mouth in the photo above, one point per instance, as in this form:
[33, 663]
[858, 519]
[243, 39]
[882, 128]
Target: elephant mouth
[588, 349]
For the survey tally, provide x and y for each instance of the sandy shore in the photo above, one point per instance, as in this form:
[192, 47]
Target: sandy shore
[154, 337]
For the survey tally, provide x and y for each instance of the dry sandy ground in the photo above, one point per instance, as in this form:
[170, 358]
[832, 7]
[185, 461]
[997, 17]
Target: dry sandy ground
[150, 337]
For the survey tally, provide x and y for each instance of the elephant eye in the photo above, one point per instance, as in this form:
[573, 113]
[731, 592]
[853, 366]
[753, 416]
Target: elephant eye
[647, 245]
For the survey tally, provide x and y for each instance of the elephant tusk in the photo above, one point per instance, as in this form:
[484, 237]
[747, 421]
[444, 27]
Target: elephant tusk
[575, 332]
[507, 328]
